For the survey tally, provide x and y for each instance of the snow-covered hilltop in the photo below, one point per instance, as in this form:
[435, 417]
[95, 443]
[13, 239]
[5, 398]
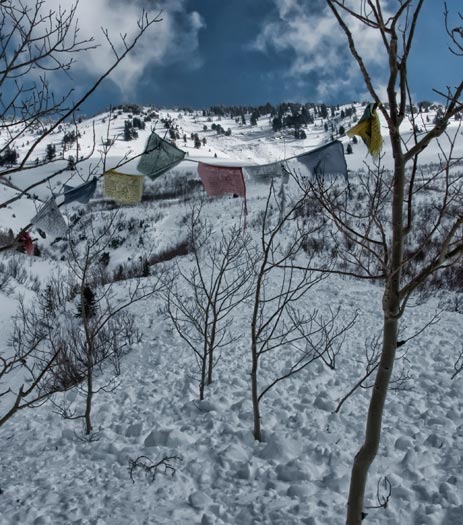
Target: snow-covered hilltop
[239, 139]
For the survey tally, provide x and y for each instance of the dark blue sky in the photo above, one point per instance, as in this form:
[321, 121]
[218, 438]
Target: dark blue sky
[252, 51]
[231, 72]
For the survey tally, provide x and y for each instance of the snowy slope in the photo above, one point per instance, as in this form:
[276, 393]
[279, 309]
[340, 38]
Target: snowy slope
[300, 473]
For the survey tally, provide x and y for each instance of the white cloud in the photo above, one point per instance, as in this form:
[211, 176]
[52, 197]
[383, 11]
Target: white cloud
[175, 39]
[320, 46]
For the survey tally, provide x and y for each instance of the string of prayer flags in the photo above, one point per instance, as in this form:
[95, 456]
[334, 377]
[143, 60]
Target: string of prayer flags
[123, 188]
[222, 180]
[159, 156]
[328, 160]
[369, 129]
[82, 193]
[50, 220]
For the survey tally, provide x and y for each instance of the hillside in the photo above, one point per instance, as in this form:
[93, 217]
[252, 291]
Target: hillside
[148, 406]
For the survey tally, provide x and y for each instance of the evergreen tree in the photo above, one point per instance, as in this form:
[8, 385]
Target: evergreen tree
[128, 131]
[87, 306]
[50, 152]
[69, 139]
[323, 111]
[48, 299]
[71, 163]
[146, 271]
[254, 116]
[305, 116]
[349, 149]
[9, 156]
[277, 124]
[138, 123]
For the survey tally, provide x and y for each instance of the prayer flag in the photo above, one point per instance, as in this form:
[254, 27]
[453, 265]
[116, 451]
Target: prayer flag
[267, 172]
[220, 180]
[123, 188]
[50, 220]
[328, 160]
[25, 243]
[369, 129]
[159, 156]
[82, 193]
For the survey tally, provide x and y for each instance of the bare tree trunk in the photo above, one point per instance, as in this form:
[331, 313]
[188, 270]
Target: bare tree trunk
[202, 383]
[210, 366]
[369, 449]
[211, 351]
[87, 312]
[88, 404]
[255, 394]
[255, 356]
[391, 312]
[89, 339]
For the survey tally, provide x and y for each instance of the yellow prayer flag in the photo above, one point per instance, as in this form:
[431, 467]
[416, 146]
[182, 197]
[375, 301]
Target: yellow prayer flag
[376, 142]
[123, 188]
[369, 129]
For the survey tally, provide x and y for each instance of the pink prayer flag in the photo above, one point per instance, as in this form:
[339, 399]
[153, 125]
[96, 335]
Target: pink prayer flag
[220, 180]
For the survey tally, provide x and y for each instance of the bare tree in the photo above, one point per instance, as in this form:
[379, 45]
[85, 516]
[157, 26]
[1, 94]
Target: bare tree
[103, 330]
[36, 42]
[200, 302]
[277, 324]
[57, 345]
[22, 358]
[391, 242]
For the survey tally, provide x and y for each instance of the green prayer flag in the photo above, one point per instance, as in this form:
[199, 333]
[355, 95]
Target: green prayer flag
[159, 156]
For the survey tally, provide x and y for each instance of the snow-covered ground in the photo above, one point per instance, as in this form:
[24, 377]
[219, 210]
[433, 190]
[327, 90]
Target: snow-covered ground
[300, 474]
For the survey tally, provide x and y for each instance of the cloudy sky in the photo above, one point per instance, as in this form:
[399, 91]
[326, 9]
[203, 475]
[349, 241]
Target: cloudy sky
[207, 52]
